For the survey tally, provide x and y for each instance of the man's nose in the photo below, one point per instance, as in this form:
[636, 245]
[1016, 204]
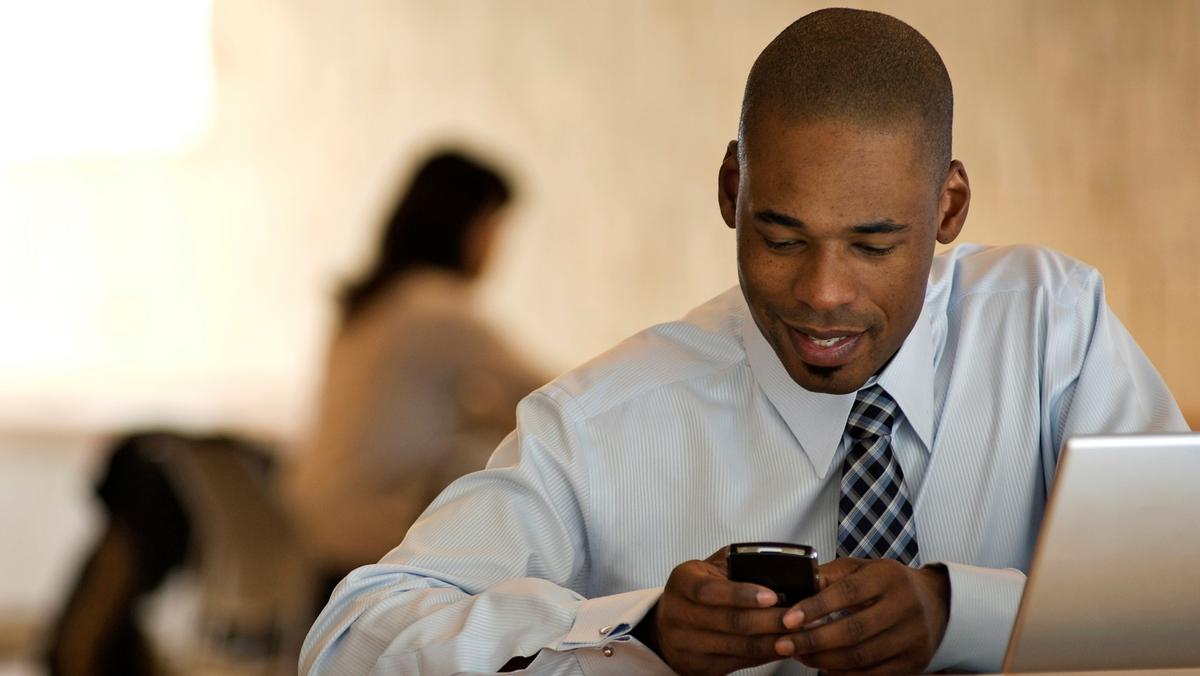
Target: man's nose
[825, 282]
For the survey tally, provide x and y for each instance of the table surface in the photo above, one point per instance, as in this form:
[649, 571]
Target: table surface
[1151, 672]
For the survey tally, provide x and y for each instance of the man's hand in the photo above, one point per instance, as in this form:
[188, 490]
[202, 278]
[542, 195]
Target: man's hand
[706, 624]
[882, 617]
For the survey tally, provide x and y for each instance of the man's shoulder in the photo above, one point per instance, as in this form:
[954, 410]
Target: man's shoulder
[704, 342]
[972, 270]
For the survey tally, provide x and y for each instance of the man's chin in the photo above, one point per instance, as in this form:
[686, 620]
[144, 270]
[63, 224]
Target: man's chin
[825, 379]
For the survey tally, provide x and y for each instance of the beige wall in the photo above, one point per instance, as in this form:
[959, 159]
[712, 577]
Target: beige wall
[198, 278]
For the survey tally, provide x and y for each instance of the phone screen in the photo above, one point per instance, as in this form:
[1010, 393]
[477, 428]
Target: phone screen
[789, 570]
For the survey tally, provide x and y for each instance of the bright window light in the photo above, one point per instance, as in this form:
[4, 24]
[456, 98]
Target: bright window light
[123, 77]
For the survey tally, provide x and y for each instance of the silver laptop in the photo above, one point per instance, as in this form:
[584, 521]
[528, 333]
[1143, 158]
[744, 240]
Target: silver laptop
[1115, 579]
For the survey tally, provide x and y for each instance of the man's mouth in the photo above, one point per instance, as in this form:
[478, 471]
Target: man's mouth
[825, 347]
[827, 342]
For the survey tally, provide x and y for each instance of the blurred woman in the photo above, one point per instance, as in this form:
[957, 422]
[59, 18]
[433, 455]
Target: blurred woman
[417, 389]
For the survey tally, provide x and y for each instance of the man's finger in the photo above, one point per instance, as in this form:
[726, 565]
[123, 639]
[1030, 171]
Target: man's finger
[902, 664]
[875, 651]
[756, 649]
[716, 653]
[734, 620]
[711, 664]
[702, 583]
[846, 631]
[838, 569]
[720, 560]
[858, 588]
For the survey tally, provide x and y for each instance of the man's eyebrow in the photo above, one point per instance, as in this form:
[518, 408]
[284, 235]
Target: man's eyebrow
[768, 216]
[884, 226]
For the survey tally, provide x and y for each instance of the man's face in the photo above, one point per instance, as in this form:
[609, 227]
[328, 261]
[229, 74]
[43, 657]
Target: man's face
[836, 225]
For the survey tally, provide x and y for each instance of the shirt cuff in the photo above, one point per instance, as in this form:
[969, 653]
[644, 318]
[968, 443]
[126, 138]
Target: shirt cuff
[983, 607]
[621, 657]
[602, 619]
[600, 637]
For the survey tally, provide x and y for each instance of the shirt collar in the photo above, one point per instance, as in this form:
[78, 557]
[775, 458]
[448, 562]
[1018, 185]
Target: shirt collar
[818, 420]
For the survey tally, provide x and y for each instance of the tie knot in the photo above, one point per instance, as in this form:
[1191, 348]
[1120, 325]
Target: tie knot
[873, 414]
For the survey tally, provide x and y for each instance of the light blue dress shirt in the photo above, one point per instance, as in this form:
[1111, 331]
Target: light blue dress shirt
[691, 435]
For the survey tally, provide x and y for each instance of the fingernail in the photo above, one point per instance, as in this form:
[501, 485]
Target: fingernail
[784, 646]
[766, 598]
[793, 618]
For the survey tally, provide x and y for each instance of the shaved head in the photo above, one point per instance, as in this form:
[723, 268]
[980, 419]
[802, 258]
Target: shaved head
[855, 66]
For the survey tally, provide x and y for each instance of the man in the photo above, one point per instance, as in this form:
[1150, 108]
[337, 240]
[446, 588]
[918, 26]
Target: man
[901, 413]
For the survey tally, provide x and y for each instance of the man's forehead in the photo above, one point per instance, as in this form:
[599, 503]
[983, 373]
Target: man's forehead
[840, 129]
[794, 154]
[834, 146]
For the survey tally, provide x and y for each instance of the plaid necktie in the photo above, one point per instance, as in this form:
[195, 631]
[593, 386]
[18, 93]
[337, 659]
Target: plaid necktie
[876, 517]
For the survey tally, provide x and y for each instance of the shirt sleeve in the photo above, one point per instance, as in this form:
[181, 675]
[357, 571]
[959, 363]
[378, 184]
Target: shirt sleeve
[1096, 380]
[983, 607]
[494, 569]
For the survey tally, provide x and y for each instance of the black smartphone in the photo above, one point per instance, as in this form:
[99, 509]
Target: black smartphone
[787, 569]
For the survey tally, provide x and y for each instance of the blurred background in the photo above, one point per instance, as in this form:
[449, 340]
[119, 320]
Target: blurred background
[184, 186]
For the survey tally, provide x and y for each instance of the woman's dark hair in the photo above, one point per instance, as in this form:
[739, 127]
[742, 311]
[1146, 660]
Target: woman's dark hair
[430, 224]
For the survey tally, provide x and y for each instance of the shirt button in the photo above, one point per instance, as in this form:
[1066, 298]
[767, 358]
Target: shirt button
[605, 630]
[608, 651]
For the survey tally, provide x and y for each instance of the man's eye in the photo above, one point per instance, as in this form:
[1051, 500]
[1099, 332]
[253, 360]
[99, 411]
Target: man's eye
[782, 245]
[875, 250]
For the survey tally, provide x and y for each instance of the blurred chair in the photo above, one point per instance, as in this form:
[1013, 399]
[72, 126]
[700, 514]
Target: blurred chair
[256, 588]
[202, 503]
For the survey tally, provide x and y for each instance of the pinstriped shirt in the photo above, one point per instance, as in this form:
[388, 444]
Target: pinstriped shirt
[691, 435]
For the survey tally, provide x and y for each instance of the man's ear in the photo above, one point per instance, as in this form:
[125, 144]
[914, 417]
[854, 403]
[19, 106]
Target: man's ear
[728, 178]
[954, 203]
